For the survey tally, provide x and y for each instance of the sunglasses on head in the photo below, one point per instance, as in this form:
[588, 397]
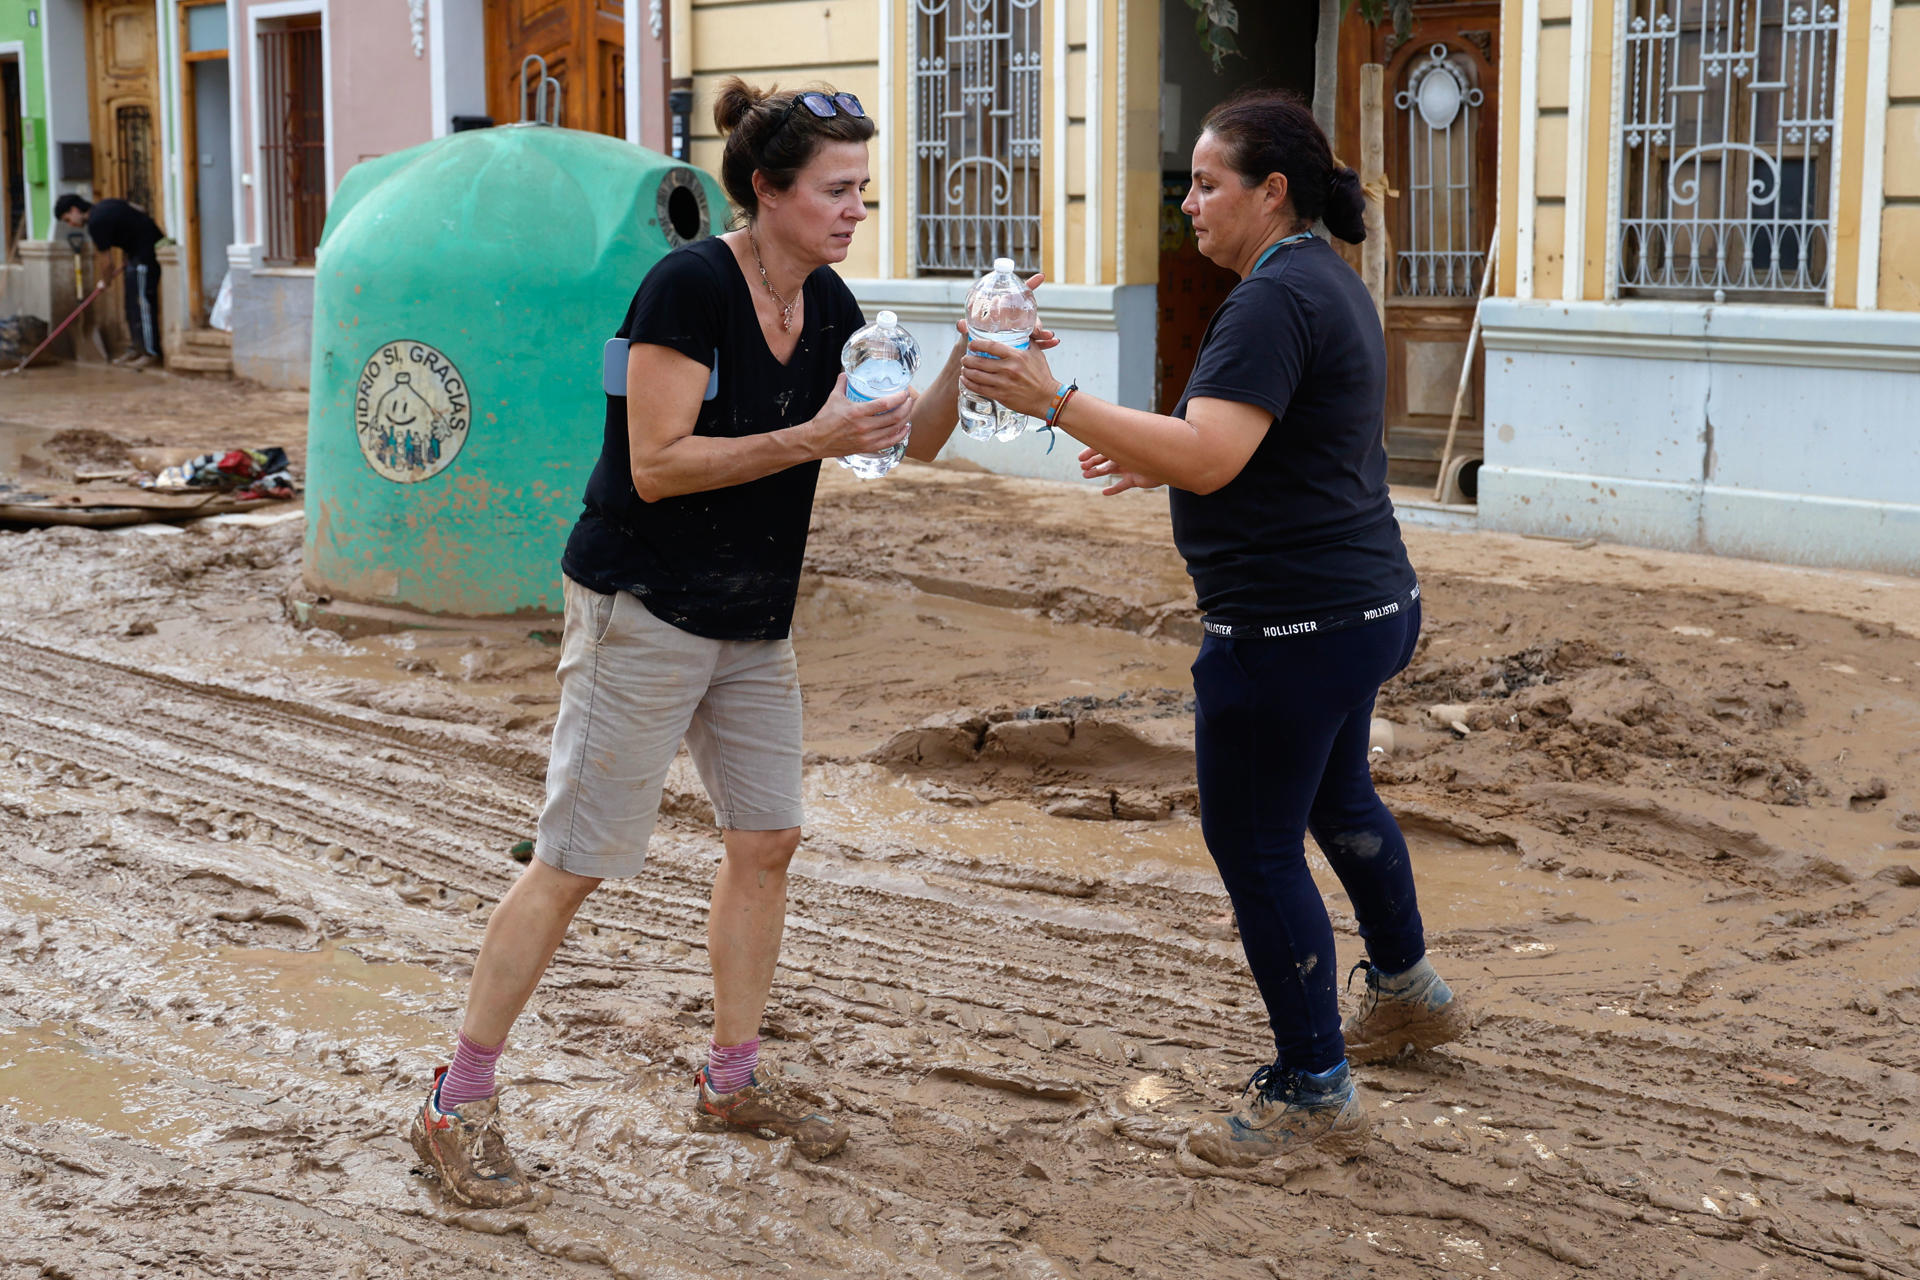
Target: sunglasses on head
[825, 105]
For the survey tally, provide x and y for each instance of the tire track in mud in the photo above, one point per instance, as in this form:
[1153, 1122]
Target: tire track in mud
[226, 750]
[1564, 1142]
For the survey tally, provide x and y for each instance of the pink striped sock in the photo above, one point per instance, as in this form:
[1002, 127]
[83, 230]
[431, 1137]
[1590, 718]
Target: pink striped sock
[730, 1067]
[470, 1078]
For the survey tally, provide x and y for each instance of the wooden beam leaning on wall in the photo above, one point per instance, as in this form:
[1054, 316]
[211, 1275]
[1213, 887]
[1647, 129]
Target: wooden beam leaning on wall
[1373, 177]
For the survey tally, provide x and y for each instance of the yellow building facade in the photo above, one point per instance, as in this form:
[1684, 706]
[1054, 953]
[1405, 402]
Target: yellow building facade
[1706, 329]
[1101, 75]
[1570, 80]
[1097, 104]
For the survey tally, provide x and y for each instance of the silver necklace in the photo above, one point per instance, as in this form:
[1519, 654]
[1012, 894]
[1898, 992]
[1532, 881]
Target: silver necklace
[786, 308]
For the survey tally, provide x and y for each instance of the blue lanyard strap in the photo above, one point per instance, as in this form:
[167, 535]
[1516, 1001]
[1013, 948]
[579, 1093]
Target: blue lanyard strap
[1276, 245]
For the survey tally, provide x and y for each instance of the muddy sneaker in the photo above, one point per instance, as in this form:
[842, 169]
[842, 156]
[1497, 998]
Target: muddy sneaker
[1286, 1113]
[1404, 1011]
[768, 1106]
[466, 1148]
[139, 362]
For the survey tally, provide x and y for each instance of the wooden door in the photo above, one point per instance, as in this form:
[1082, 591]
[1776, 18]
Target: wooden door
[610, 101]
[123, 74]
[1442, 150]
[206, 153]
[584, 45]
[1191, 289]
[13, 169]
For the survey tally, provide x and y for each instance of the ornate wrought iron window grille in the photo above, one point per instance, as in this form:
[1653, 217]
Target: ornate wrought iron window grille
[133, 146]
[976, 134]
[1442, 105]
[1727, 140]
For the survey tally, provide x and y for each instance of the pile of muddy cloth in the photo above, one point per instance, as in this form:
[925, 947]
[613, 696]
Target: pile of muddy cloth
[246, 473]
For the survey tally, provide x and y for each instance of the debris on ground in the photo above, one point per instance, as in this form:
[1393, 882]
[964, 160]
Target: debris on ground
[88, 477]
[247, 473]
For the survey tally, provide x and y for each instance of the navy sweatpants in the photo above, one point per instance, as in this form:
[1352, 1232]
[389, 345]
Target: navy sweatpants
[1280, 738]
[143, 304]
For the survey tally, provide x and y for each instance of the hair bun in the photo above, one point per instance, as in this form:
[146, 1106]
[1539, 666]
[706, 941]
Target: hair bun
[1346, 211]
[732, 102]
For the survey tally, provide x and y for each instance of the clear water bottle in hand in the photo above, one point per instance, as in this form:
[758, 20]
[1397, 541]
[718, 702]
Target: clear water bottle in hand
[879, 359]
[1000, 308]
[1009, 424]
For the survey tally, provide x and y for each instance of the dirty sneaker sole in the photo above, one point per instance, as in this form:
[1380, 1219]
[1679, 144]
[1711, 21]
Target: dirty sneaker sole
[707, 1122]
[423, 1147]
[536, 1197]
[1207, 1150]
[1416, 1035]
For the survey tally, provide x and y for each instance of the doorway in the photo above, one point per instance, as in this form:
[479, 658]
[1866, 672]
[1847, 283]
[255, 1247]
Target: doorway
[583, 43]
[1442, 153]
[207, 168]
[13, 168]
[1278, 42]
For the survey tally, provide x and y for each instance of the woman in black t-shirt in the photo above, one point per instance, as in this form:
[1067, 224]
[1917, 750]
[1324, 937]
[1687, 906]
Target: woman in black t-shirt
[681, 577]
[1280, 508]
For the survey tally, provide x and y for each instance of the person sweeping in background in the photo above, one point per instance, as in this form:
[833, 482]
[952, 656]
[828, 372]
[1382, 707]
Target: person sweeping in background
[1280, 508]
[116, 224]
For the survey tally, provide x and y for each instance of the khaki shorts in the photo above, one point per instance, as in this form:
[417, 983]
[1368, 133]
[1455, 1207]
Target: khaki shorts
[631, 688]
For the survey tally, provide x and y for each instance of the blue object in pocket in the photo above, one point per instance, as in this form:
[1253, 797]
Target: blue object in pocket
[613, 373]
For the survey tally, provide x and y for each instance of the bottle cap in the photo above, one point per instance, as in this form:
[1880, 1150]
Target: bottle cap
[1003, 264]
[887, 318]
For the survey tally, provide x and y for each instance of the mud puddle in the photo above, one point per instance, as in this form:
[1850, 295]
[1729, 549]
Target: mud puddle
[332, 989]
[49, 1072]
[867, 815]
[23, 453]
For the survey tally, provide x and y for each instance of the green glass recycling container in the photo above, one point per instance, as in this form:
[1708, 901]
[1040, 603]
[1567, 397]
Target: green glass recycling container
[463, 293]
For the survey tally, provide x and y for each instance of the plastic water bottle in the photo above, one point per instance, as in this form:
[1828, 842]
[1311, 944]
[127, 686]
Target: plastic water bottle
[1000, 308]
[1009, 424]
[879, 359]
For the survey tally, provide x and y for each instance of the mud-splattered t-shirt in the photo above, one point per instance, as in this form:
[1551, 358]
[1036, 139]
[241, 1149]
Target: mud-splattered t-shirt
[724, 563]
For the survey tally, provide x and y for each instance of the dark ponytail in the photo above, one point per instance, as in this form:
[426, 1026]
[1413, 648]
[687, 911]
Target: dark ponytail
[764, 135]
[1345, 212]
[1275, 132]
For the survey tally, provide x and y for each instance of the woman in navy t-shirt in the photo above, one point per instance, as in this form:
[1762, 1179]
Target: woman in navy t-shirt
[1279, 477]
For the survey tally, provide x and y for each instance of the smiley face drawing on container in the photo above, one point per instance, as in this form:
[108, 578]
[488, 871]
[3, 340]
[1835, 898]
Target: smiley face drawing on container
[411, 411]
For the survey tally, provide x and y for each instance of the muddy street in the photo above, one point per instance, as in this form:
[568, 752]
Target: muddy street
[1665, 814]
